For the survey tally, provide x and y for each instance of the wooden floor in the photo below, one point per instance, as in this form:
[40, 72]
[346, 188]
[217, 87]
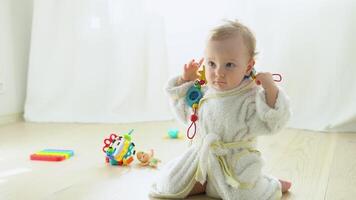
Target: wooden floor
[320, 165]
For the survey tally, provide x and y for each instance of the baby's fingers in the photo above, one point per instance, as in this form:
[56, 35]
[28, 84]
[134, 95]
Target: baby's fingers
[191, 63]
[198, 64]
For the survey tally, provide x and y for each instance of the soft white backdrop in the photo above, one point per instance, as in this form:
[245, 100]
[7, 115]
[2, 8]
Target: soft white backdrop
[96, 61]
[107, 61]
[15, 32]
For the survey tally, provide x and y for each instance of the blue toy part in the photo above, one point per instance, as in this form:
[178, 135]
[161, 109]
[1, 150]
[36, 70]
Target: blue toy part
[173, 133]
[193, 95]
[129, 151]
[113, 162]
[110, 157]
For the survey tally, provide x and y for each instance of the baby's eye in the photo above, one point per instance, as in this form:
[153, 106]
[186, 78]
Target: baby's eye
[230, 65]
[211, 64]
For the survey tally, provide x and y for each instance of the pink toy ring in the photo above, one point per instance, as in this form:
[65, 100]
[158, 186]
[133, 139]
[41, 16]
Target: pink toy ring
[108, 141]
[279, 77]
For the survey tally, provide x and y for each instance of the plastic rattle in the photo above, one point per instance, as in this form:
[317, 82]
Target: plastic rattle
[253, 76]
[194, 94]
[119, 150]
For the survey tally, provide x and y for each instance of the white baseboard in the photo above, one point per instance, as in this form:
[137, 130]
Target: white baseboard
[6, 119]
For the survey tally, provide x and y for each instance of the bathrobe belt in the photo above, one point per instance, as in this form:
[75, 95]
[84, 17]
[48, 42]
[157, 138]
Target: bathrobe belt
[212, 146]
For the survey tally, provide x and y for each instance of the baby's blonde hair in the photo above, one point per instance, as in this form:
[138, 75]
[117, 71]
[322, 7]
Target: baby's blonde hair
[232, 28]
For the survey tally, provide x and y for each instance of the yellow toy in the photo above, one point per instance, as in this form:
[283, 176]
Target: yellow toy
[202, 74]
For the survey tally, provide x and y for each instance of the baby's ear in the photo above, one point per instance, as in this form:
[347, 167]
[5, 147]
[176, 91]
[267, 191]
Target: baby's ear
[250, 66]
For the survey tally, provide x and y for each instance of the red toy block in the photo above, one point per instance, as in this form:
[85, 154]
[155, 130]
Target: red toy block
[47, 157]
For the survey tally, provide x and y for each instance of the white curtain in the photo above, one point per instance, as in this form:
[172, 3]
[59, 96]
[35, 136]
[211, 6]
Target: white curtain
[81, 69]
[96, 61]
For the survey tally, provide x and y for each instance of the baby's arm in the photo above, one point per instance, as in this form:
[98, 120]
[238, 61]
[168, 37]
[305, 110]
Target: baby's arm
[177, 88]
[264, 117]
[270, 87]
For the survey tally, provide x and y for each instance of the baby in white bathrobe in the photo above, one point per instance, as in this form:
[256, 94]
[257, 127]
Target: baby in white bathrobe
[223, 161]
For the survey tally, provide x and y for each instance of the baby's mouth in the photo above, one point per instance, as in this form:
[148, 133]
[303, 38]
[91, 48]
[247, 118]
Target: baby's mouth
[219, 82]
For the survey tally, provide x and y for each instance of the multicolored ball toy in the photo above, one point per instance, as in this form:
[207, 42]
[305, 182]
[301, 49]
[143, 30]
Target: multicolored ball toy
[119, 150]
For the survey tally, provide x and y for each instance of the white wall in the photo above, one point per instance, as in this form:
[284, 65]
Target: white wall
[15, 32]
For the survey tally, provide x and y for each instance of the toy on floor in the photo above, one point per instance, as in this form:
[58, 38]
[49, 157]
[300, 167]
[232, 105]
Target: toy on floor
[173, 133]
[147, 159]
[119, 150]
[52, 155]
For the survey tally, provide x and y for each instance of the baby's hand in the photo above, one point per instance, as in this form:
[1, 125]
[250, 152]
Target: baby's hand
[266, 80]
[190, 72]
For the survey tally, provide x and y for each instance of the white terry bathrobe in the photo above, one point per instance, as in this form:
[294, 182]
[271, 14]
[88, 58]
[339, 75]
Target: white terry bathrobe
[224, 151]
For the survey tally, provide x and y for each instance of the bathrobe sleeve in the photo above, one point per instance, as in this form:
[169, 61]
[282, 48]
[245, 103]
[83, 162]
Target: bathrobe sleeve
[262, 119]
[177, 94]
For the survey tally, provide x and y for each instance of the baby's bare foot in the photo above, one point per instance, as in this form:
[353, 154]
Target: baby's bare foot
[285, 185]
[198, 189]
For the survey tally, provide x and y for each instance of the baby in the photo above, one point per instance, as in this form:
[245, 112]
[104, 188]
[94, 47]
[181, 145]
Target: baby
[223, 161]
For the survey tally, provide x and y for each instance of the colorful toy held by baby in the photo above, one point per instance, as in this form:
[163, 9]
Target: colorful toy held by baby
[119, 150]
[253, 77]
[147, 159]
[194, 94]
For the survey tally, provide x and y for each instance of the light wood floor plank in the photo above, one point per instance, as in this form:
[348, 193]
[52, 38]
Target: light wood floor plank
[342, 180]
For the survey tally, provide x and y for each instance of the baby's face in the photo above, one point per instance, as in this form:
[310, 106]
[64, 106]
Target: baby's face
[227, 61]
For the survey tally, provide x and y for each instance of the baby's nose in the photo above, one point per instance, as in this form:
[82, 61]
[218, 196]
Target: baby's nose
[220, 71]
